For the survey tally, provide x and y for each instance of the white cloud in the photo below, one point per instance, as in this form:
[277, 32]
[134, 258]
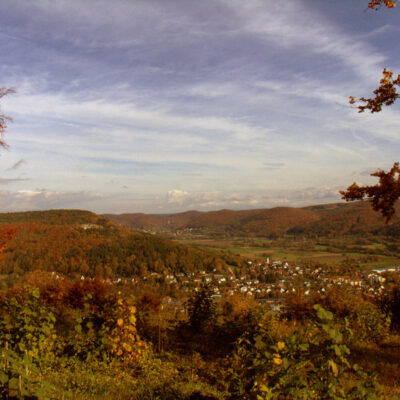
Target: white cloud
[177, 196]
[42, 199]
[232, 103]
[60, 107]
[180, 199]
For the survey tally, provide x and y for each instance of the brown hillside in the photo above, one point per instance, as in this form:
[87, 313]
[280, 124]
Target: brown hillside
[351, 218]
[155, 222]
[324, 220]
[261, 222]
[279, 220]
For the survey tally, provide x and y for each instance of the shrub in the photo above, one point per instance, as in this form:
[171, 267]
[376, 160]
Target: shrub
[201, 308]
[390, 304]
[27, 340]
[309, 364]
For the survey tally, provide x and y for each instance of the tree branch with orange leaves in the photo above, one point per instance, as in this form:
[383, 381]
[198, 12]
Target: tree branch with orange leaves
[375, 4]
[383, 196]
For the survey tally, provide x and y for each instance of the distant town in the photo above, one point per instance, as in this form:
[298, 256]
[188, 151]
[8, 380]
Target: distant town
[268, 282]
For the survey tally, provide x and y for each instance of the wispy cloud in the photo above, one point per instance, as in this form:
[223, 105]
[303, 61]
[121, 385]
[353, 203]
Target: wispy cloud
[43, 199]
[169, 105]
[7, 181]
[17, 165]
[292, 25]
[273, 165]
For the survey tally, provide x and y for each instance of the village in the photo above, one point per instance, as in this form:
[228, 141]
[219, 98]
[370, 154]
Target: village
[269, 281]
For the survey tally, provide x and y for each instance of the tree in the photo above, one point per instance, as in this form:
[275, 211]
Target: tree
[201, 308]
[386, 94]
[375, 4]
[385, 194]
[4, 118]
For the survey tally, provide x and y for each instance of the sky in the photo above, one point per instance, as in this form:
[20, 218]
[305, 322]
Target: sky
[165, 106]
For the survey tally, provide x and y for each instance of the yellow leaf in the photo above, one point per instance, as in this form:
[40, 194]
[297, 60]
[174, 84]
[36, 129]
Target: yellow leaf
[281, 345]
[120, 322]
[334, 367]
[277, 361]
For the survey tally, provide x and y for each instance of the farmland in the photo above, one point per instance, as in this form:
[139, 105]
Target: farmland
[325, 252]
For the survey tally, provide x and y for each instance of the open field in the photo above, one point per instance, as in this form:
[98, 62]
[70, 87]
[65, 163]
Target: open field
[368, 256]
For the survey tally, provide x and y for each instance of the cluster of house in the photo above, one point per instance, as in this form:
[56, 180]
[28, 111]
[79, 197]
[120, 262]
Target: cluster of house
[268, 282]
[265, 280]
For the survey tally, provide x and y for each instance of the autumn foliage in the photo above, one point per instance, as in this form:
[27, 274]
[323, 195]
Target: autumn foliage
[383, 195]
[375, 4]
[5, 236]
[386, 94]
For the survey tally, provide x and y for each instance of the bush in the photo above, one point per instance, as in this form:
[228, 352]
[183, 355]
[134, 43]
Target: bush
[27, 340]
[312, 363]
[390, 304]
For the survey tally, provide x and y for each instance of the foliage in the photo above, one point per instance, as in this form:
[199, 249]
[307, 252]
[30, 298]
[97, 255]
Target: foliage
[383, 195]
[375, 4]
[386, 94]
[5, 236]
[390, 304]
[93, 350]
[312, 364]
[201, 308]
[60, 240]
[123, 338]
[27, 338]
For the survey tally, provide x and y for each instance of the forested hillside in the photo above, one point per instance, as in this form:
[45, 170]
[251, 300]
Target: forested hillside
[322, 220]
[77, 242]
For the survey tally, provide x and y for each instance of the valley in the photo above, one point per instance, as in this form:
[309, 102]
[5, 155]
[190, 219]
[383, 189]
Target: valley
[330, 234]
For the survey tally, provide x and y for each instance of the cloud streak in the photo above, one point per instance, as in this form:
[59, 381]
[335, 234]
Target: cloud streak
[173, 105]
[17, 165]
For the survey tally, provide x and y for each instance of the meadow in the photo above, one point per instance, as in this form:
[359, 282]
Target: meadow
[367, 254]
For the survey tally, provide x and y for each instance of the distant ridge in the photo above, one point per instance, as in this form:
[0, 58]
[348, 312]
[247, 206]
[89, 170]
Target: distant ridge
[322, 219]
[53, 217]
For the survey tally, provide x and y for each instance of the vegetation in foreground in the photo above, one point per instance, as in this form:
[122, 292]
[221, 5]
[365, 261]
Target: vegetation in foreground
[64, 338]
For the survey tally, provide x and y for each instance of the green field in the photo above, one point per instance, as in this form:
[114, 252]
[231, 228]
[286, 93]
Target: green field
[335, 252]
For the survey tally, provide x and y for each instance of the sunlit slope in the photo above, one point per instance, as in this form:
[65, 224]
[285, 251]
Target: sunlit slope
[326, 220]
[80, 242]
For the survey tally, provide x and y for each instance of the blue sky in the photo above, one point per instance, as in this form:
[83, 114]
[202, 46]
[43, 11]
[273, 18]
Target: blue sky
[164, 106]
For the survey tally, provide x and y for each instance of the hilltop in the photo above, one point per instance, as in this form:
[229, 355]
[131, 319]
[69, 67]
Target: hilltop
[322, 220]
[76, 242]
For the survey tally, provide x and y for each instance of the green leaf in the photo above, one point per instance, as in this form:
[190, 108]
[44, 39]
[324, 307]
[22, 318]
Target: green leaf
[323, 314]
[337, 350]
[3, 378]
[333, 333]
[304, 346]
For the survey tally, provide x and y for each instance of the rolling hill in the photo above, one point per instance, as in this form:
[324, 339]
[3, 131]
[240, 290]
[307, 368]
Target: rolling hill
[323, 220]
[76, 242]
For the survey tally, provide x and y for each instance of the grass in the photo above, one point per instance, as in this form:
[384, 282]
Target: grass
[297, 251]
